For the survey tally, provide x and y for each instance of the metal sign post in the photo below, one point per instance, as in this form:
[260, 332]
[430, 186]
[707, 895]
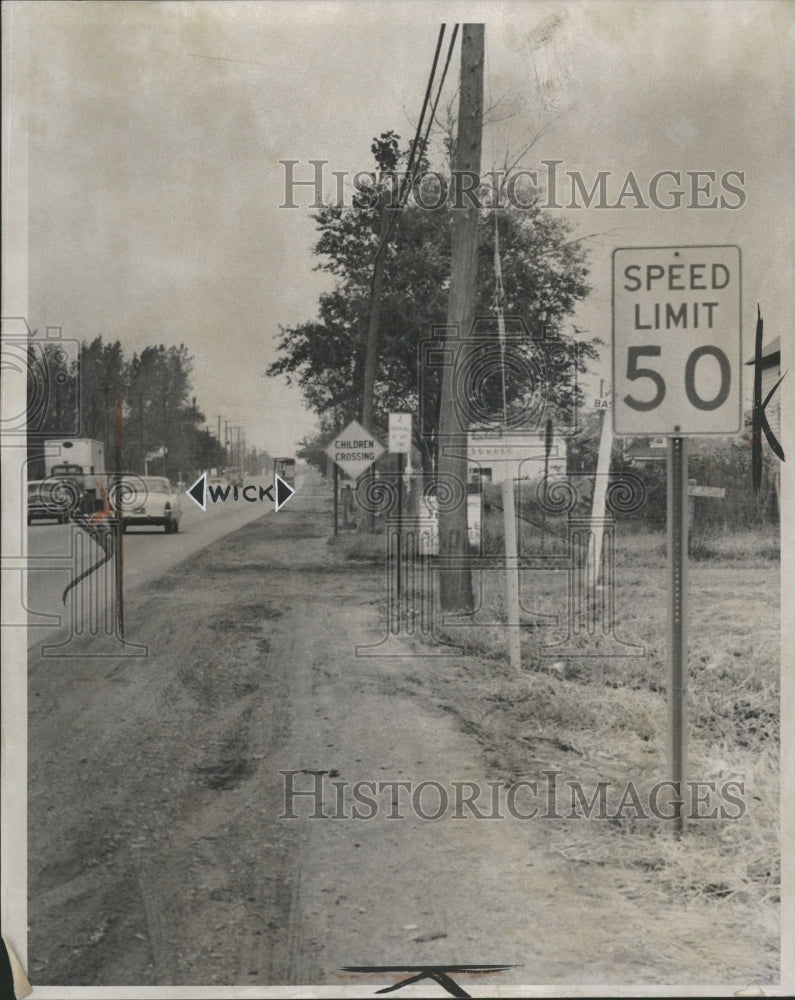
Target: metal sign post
[512, 571]
[400, 431]
[677, 620]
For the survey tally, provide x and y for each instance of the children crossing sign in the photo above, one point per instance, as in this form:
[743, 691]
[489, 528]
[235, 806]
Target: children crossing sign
[676, 340]
[354, 450]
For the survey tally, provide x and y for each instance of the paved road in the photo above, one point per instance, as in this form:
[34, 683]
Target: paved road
[148, 554]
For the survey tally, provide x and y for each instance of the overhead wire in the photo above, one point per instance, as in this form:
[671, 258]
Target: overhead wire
[414, 145]
[418, 149]
[432, 117]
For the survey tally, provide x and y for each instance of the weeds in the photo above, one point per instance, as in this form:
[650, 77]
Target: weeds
[601, 717]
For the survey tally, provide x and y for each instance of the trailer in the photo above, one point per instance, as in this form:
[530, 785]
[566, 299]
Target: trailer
[82, 462]
[85, 453]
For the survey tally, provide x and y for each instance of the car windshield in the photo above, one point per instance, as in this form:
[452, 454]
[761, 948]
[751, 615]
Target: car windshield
[151, 485]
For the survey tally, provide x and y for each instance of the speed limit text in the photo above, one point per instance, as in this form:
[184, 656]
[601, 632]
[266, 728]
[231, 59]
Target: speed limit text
[689, 315]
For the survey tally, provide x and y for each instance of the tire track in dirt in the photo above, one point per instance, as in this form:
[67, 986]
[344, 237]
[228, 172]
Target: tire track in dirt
[175, 742]
[170, 863]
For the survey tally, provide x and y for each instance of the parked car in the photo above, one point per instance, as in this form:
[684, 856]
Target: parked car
[42, 505]
[154, 502]
[218, 482]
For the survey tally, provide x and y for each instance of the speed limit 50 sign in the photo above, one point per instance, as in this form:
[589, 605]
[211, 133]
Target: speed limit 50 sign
[676, 341]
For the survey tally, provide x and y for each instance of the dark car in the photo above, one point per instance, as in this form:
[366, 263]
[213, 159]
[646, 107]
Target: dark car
[43, 504]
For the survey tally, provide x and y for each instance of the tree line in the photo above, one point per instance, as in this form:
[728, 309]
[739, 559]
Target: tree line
[158, 412]
[544, 276]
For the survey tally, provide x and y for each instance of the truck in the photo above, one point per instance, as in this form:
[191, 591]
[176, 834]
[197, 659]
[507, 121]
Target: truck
[232, 475]
[285, 467]
[80, 461]
[83, 454]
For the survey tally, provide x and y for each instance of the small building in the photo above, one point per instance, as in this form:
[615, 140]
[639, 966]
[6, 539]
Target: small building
[496, 455]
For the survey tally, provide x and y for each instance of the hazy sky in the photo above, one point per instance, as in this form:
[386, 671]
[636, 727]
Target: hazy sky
[156, 131]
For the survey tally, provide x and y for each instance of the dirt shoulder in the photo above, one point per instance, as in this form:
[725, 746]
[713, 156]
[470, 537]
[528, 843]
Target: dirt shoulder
[157, 854]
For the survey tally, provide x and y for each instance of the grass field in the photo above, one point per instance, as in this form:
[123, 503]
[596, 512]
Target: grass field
[606, 713]
[596, 716]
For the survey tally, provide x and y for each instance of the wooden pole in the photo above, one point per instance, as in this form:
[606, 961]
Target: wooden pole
[511, 571]
[455, 584]
[119, 519]
[598, 505]
[548, 437]
[336, 498]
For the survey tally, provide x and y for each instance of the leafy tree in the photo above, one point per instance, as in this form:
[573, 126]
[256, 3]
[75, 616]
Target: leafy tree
[544, 276]
[158, 410]
[102, 377]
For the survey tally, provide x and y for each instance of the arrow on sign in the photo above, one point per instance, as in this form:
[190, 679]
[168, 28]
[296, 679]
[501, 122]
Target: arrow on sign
[198, 493]
[283, 491]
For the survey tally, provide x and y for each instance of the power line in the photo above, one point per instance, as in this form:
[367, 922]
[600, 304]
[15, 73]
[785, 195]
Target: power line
[441, 85]
[428, 89]
[376, 279]
[388, 220]
[410, 177]
[410, 168]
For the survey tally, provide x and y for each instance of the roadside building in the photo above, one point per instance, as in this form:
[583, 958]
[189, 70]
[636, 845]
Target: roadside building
[494, 455]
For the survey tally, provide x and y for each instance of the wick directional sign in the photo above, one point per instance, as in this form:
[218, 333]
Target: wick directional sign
[676, 341]
[218, 493]
[354, 450]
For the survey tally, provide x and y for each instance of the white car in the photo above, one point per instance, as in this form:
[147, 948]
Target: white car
[150, 500]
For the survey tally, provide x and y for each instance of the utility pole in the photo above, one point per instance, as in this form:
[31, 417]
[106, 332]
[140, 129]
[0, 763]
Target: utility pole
[456, 583]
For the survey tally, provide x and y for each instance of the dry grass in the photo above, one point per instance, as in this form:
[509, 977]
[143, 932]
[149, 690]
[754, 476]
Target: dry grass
[603, 717]
[598, 716]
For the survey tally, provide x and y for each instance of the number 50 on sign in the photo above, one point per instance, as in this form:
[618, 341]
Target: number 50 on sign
[676, 341]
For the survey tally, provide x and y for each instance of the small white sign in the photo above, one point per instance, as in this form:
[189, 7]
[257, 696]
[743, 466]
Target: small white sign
[429, 527]
[474, 516]
[400, 433]
[706, 491]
